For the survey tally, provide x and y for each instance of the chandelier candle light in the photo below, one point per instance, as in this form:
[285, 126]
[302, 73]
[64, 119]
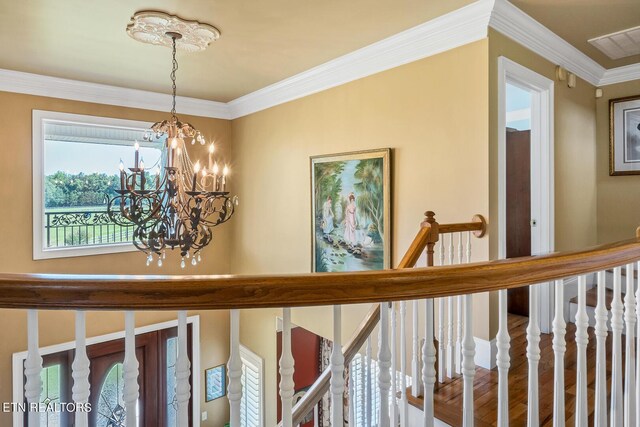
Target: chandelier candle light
[188, 200]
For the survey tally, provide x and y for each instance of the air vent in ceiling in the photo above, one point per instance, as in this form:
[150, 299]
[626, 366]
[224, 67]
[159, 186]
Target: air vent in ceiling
[619, 45]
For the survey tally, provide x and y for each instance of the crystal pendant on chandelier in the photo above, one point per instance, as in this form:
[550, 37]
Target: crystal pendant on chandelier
[186, 201]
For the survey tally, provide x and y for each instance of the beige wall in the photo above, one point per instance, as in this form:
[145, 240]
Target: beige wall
[618, 196]
[16, 253]
[432, 113]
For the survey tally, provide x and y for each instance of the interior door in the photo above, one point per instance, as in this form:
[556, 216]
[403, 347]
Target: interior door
[518, 242]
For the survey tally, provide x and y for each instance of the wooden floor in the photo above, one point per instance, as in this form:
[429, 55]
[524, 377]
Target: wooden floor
[448, 397]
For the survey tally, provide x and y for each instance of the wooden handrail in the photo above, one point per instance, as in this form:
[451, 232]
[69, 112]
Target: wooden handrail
[220, 292]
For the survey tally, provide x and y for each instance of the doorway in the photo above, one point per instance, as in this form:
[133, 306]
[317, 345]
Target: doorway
[525, 176]
[156, 353]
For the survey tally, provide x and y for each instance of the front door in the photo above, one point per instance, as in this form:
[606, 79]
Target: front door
[157, 406]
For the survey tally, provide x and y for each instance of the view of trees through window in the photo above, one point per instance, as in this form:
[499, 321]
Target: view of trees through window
[81, 170]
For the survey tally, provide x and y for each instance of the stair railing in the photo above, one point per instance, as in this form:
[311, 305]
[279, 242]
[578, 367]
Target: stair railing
[133, 293]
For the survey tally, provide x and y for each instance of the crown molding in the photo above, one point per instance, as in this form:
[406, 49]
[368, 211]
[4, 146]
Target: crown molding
[457, 28]
[520, 27]
[443, 33]
[621, 74]
[54, 87]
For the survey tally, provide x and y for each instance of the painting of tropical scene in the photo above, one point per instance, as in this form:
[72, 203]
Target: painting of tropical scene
[350, 212]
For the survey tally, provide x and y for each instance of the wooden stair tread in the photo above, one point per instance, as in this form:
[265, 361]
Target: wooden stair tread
[592, 298]
[450, 414]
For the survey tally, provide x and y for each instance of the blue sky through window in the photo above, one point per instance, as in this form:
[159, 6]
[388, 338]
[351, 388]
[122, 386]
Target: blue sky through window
[518, 102]
[76, 157]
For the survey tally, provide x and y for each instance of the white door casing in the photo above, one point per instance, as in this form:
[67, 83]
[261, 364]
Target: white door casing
[542, 167]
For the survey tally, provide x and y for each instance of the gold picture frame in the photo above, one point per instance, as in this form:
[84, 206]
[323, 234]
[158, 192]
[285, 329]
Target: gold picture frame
[624, 136]
[351, 211]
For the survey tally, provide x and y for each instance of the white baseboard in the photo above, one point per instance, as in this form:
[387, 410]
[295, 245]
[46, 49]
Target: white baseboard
[486, 352]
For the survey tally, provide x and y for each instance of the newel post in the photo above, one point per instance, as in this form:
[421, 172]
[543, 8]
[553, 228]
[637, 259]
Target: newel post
[434, 235]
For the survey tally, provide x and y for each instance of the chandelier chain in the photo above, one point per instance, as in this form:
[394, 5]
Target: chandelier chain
[173, 76]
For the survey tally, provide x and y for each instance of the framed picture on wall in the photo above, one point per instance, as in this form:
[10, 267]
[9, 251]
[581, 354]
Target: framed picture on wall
[215, 382]
[351, 213]
[624, 136]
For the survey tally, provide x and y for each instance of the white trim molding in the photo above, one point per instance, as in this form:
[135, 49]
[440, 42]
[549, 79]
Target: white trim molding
[621, 74]
[39, 118]
[542, 167]
[55, 87]
[486, 352]
[463, 26]
[520, 27]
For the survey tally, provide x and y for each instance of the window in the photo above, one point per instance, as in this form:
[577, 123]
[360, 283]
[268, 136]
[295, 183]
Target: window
[51, 392]
[251, 404]
[75, 169]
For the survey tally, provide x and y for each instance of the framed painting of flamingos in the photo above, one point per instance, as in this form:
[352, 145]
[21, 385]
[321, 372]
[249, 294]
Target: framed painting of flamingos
[350, 205]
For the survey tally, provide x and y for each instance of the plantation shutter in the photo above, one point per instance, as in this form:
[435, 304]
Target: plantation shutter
[360, 387]
[251, 404]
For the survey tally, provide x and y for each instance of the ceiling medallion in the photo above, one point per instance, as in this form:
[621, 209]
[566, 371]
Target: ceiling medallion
[148, 26]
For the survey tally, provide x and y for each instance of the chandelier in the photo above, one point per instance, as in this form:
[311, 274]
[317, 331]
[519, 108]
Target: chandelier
[183, 202]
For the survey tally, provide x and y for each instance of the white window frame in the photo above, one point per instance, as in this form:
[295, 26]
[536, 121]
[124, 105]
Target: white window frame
[247, 356]
[39, 119]
[19, 358]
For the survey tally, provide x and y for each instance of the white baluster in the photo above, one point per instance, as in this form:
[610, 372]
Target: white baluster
[533, 356]
[468, 363]
[600, 416]
[559, 348]
[616, 354]
[416, 373]
[352, 400]
[450, 338]
[428, 365]
[442, 351]
[80, 368]
[33, 369]
[234, 368]
[287, 369]
[394, 369]
[384, 363]
[183, 371]
[369, 395]
[459, 334]
[450, 325]
[460, 331]
[638, 344]
[630, 362]
[442, 359]
[337, 370]
[451, 250]
[130, 368]
[404, 410]
[503, 360]
[582, 339]
[468, 247]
